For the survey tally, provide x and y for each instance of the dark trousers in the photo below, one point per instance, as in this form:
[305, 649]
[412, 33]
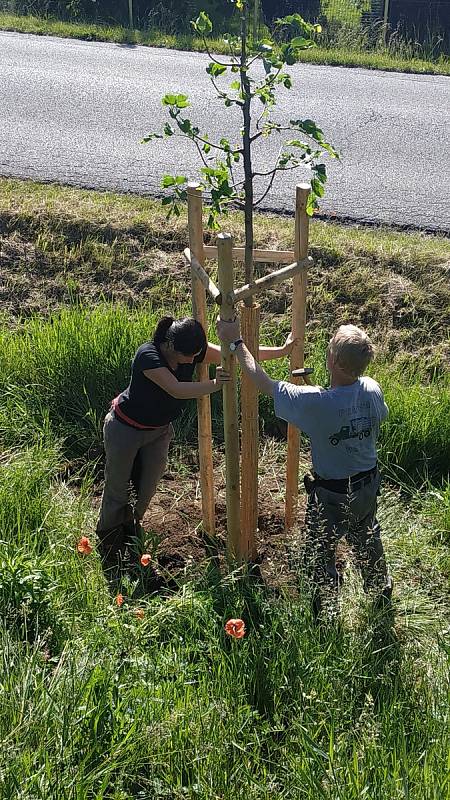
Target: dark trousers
[329, 517]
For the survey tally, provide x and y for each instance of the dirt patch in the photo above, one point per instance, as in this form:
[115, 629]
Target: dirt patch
[173, 524]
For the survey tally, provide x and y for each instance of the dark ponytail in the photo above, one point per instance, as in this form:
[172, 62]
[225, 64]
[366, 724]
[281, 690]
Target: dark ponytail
[185, 335]
[162, 330]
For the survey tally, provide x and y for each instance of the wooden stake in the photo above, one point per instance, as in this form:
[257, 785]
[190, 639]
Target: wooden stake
[195, 223]
[203, 276]
[268, 256]
[230, 405]
[272, 279]
[249, 438]
[298, 351]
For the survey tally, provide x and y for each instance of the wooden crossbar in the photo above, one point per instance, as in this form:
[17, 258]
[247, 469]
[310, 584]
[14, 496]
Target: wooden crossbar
[268, 256]
[203, 276]
[267, 281]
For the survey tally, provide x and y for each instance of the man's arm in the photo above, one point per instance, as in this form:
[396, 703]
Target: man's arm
[228, 332]
[256, 373]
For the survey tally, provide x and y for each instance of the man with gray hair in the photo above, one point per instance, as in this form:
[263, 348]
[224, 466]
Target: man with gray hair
[343, 424]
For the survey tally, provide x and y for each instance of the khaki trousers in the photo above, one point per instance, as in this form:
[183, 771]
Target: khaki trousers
[139, 456]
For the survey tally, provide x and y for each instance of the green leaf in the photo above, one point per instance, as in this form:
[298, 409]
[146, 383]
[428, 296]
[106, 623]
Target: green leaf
[297, 22]
[321, 172]
[297, 143]
[166, 201]
[301, 42]
[206, 147]
[177, 100]
[172, 180]
[185, 126]
[182, 101]
[203, 24]
[235, 85]
[215, 69]
[150, 137]
[311, 204]
[168, 130]
[317, 187]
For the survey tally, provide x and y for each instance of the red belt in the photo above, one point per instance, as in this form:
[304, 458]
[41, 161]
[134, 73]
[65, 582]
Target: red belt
[123, 418]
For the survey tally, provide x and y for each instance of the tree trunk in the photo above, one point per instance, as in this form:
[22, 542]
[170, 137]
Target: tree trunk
[248, 175]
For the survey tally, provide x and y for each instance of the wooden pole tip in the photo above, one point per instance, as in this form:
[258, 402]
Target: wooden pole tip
[224, 236]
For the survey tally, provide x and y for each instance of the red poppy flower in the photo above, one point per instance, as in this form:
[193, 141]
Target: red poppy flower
[84, 546]
[119, 600]
[145, 559]
[235, 628]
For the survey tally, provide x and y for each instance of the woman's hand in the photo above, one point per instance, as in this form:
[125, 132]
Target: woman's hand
[289, 344]
[222, 376]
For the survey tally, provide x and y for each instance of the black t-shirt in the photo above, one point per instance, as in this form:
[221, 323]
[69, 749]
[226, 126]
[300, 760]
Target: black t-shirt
[145, 402]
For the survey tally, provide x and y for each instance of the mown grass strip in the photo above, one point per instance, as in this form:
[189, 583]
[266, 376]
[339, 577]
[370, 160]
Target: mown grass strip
[334, 56]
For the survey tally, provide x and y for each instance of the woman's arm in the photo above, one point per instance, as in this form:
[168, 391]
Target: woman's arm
[213, 355]
[186, 390]
[269, 353]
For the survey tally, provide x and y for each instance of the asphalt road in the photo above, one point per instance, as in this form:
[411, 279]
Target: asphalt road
[75, 112]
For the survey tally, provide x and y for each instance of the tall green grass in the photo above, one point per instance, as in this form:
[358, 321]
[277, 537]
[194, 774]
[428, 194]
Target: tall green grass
[60, 374]
[97, 703]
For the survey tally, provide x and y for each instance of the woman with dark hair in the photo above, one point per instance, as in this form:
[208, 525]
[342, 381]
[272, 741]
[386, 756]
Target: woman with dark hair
[138, 427]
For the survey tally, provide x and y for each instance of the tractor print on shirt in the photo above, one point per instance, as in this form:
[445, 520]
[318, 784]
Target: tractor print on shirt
[358, 428]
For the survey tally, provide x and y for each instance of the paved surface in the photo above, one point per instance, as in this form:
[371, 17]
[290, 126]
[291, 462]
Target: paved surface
[75, 112]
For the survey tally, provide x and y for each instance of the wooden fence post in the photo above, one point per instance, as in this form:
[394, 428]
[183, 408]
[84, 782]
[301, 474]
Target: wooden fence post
[297, 355]
[249, 438]
[195, 222]
[230, 405]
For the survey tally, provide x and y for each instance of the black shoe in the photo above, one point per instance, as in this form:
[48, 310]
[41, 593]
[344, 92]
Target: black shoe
[384, 599]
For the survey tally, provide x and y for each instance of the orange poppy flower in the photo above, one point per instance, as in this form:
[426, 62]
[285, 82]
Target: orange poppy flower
[235, 628]
[119, 600]
[145, 559]
[84, 546]
[139, 613]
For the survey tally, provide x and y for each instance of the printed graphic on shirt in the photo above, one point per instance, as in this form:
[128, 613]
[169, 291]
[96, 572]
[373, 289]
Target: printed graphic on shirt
[360, 428]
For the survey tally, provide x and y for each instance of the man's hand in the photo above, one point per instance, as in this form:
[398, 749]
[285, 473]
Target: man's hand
[289, 344]
[228, 331]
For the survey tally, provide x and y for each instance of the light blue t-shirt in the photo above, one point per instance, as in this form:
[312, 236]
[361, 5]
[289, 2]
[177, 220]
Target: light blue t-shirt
[342, 423]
